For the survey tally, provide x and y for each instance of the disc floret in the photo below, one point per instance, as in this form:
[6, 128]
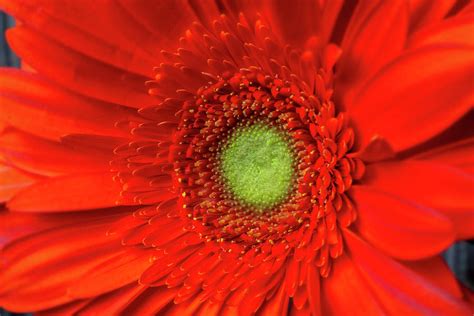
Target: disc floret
[257, 166]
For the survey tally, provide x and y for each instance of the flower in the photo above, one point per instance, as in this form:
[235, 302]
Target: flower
[284, 157]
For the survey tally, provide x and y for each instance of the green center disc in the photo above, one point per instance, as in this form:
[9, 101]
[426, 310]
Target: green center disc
[257, 165]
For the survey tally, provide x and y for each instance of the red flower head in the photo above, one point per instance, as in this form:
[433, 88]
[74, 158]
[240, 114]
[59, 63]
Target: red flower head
[285, 157]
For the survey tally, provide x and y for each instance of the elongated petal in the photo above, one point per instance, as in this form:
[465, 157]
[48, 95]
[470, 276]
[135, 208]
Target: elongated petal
[152, 301]
[78, 72]
[41, 107]
[450, 194]
[65, 309]
[400, 290]
[67, 193]
[294, 22]
[114, 302]
[455, 30]
[13, 180]
[170, 17]
[436, 271]
[459, 154]
[64, 254]
[415, 105]
[36, 155]
[376, 38]
[112, 274]
[346, 292]
[16, 225]
[277, 304]
[400, 228]
[109, 32]
[423, 12]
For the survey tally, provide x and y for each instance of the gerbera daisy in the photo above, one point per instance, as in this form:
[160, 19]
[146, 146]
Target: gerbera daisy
[284, 157]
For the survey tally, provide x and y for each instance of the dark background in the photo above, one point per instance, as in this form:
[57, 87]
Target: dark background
[460, 257]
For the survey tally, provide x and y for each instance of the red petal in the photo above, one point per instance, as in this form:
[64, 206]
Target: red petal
[116, 272]
[130, 58]
[455, 30]
[170, 17]
[359, 16]
[313, 284]
[14, 225]
[400, 228]
[375, 39]
[400, 290]
[459, 154]
[345, 292]
[378, 149]
[44, 109]
[13, 180]
[446, 189]
[67, 193]
[436, 271]
[198, 305]
[294, 22]
[31, 290]
[63, 254]
[93, 143]
[277, 304]
[408, 106]
[151, 301]
[113, 302]
[65, 309]
[423, 12]
[108, 32]
[38, 248]
[49, 158]
[78, 72]
[206, 11]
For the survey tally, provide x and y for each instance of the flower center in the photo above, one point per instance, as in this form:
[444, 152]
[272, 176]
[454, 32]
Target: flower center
[257, 164]
[246, 147]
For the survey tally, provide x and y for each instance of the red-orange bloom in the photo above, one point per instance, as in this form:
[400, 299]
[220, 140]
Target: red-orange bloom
[284, 157]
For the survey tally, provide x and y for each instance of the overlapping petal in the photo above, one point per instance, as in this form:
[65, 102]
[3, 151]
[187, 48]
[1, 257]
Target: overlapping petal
[401, 228]
[81, 134]
[450, 194]
[416, 104]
